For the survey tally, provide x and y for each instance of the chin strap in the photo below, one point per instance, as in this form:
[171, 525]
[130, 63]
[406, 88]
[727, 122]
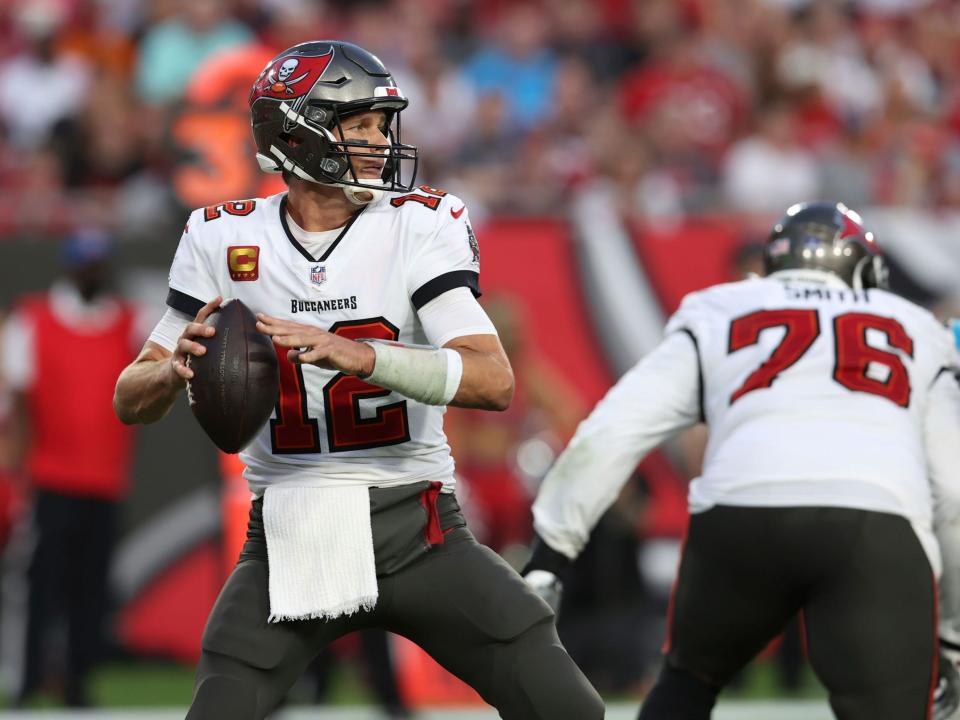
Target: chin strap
[357, 194]
[361, 195]
[369, 192]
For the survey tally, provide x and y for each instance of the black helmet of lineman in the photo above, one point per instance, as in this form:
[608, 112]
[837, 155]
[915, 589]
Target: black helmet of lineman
[826, 236]
[302, 97]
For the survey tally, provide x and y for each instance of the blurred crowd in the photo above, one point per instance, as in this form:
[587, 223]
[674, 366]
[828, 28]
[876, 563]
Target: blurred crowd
[125, 114]
[684, 106]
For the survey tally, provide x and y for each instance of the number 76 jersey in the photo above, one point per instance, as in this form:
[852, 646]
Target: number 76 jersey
[815, 394]
[392, 257]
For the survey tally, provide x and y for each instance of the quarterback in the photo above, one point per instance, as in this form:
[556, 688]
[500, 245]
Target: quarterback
[834, 420]
[367, 286]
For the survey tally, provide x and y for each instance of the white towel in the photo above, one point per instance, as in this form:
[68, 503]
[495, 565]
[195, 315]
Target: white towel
[320, 551]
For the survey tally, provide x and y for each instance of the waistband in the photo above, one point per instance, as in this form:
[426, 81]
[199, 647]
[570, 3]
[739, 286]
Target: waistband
[407, 521]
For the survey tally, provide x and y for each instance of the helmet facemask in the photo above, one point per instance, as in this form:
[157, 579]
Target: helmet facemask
[871, 272]
[309, 147]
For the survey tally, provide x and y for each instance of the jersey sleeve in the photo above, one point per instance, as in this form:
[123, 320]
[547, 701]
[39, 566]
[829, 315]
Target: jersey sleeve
[657, 397]
[448, 258]
[689, 315]
[193, 282]
[692, 320]
[454, 314]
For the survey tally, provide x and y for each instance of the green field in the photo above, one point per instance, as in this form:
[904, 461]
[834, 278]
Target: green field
[141, 684]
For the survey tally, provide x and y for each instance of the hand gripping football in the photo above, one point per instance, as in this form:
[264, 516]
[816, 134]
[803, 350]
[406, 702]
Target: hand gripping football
[235, 384]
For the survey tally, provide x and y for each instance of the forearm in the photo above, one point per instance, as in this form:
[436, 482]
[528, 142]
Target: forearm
[655, 399]
[455, 321]
[581, 485]
[145, 392]
[459, 374]
[486, 383]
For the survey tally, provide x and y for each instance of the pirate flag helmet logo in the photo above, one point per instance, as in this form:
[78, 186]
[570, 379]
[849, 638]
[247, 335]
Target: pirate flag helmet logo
[287, 78]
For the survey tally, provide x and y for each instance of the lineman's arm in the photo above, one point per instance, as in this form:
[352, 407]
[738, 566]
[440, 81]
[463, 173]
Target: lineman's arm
[942, 440]
[147, 387]
[656, 398]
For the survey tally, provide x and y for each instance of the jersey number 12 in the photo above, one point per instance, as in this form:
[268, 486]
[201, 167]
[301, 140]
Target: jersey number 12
[294, 431]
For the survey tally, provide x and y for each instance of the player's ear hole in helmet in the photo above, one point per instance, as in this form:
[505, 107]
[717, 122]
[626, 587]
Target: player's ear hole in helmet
[299, 104]
[826, 236]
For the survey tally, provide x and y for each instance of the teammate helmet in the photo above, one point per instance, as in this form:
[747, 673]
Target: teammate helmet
[302, 97]
[826, 236]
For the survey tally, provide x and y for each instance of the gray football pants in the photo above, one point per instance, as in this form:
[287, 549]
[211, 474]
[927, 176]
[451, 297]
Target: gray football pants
[460, 602]
[861, 579]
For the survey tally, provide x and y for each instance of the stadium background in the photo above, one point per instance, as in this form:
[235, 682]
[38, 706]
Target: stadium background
[615, 154]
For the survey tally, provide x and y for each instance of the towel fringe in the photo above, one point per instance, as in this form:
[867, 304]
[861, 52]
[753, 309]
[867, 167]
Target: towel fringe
[345, 610]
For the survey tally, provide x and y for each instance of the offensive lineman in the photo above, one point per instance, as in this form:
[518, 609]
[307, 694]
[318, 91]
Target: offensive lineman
[353, 478]
[834, 424]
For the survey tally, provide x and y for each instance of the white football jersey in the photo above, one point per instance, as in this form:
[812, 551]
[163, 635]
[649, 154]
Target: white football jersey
[815, 395]
[393, 257]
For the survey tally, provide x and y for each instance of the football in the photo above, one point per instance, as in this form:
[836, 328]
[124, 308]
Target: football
[235, 384]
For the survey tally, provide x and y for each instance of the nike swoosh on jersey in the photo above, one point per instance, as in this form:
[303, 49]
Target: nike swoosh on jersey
[457, 213]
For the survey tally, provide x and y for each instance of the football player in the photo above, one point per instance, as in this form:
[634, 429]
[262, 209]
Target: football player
[367, 286]
[834, 450]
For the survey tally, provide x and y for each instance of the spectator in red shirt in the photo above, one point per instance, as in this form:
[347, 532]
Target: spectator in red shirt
[62, 352]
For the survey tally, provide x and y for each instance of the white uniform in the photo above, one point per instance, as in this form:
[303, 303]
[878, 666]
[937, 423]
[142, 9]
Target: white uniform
[391, 259]
[815, 395]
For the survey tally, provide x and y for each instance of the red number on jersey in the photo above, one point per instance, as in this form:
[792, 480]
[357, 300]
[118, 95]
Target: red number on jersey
[431, 202]
[234, 207]
[802, 328]
[346, 429]
[294, 431]
[854, 356]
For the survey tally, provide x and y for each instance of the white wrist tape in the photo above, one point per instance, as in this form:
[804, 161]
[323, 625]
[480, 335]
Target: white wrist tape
[428, 375]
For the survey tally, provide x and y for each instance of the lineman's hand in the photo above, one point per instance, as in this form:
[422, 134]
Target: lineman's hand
[542, 572]
[946, 694]
[548, 586]
[311, 345]
[187, 347]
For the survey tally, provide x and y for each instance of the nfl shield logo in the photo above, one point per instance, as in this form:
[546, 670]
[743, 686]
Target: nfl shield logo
[318, 274]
